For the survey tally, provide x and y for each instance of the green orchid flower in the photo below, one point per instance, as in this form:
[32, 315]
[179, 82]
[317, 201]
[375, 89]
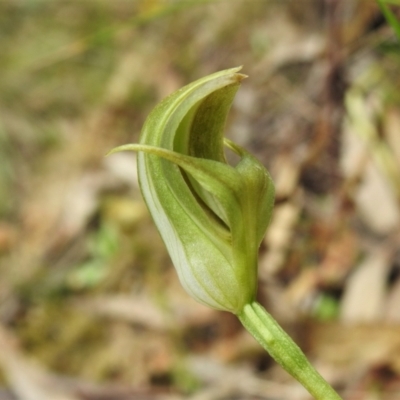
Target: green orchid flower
[211, 215]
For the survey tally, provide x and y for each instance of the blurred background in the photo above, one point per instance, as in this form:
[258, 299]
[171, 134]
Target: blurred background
[90, 305]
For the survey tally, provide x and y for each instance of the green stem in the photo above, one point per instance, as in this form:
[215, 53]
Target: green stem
[284, 351]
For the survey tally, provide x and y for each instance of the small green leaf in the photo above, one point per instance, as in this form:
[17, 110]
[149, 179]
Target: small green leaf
[390, 16]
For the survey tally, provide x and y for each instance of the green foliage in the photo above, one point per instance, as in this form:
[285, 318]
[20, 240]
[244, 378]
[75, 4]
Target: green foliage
[389, 15]
[327, 308]
[103, 245]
